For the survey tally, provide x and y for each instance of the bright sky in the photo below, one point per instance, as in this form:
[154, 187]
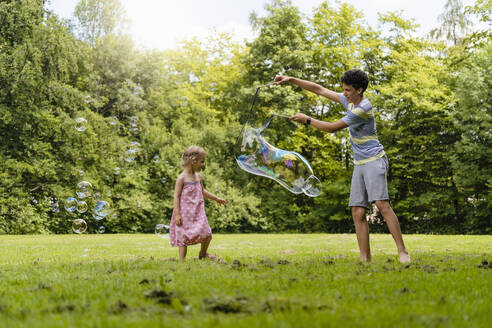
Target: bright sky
[160, 24]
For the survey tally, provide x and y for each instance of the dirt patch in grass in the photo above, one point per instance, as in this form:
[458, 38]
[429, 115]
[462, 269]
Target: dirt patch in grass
[236, 264]
[144, 281]
[63, 308]
[485, 265]
[288, 305]
[267, 262]
[164, 297]
[161, 296]
[238, 304]
[118, 307]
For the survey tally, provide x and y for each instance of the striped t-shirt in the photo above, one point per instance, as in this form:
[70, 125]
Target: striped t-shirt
[362, 128]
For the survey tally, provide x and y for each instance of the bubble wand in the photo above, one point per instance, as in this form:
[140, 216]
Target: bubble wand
[251, 109]
[280, 115]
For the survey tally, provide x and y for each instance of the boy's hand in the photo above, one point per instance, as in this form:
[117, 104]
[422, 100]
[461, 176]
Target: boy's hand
[299, 117]
[279, 79]
[221, 201]
[177, 220]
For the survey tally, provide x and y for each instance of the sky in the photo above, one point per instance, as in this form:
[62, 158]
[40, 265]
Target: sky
[161, 24]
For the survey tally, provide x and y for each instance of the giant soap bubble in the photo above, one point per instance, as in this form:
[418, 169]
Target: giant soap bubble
[290, 169]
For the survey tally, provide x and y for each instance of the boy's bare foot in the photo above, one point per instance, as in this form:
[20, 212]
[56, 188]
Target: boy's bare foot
[404, 257]
[207, 256]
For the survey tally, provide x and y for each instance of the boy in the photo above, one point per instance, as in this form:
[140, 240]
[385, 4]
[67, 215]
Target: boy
[370, 162]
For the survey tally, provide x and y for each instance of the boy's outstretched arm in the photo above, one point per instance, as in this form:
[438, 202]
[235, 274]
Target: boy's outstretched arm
[308, 85]
[322, 125]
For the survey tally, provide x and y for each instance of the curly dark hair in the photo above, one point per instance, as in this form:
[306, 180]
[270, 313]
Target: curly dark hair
[356, 78]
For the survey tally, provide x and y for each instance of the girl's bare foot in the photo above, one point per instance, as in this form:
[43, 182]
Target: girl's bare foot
[207, 256]
[404, 257]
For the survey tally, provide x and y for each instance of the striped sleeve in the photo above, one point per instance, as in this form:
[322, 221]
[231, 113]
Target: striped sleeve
[357, 115]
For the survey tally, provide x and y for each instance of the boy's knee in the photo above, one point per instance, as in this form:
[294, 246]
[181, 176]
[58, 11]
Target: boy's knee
[358, 213]
[357, 210]
[382, 205]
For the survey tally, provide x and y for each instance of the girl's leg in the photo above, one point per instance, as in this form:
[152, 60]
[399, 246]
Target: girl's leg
[362, 232]
[204, 248]
[394, 227]
[182, 252]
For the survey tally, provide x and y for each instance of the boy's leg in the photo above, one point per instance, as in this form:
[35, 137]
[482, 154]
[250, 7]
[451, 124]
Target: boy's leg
[182, 252]
[359, 202]
[377, 190]
[362, 232]
[394, 227]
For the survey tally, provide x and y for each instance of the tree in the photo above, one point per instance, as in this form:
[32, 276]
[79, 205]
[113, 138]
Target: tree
[416, 106]
[472, 158]
[455, 23]
[98, 18]
[41, 64]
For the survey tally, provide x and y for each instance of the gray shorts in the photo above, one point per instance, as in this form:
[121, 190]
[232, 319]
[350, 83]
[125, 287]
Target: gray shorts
[369, 183]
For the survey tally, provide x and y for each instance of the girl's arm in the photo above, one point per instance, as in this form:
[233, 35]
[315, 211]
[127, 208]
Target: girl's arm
[177, 194]
[209, 195]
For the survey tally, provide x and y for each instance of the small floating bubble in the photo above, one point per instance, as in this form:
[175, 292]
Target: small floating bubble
[162, 230]
[101, 209]
[84, 189]
[80, 124]
[81, 207]
[79, 226]
[71, 204]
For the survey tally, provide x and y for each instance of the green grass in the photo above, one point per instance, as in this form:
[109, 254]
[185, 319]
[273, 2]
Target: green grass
[295, 280]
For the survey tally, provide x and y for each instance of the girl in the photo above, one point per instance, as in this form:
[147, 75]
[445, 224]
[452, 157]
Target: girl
[189, 225]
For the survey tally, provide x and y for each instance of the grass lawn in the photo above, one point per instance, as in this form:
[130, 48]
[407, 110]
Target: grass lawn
[288, 280]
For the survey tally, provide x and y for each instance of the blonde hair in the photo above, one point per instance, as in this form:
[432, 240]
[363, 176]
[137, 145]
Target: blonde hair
[192, 154]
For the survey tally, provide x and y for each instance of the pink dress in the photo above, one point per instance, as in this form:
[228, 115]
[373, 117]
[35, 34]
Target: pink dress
[194, 227]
